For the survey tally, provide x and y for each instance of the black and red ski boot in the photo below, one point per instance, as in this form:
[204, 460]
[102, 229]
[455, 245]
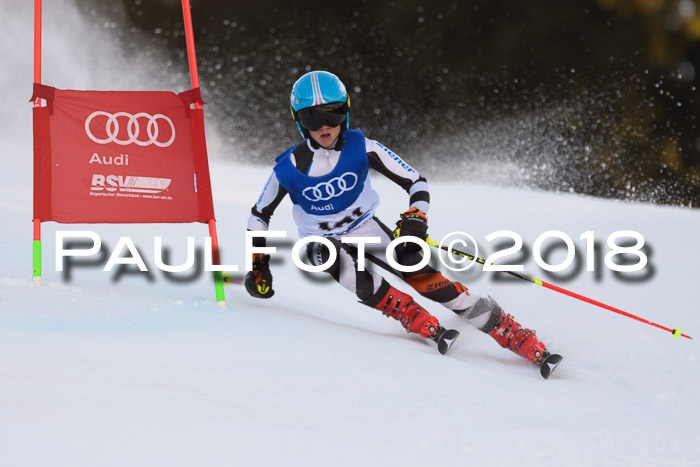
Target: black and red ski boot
[524, 342]
[412, 316]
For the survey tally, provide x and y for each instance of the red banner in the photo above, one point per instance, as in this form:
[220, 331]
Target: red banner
[120, 157]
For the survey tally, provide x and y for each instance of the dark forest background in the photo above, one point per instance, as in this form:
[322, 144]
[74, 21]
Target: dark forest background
[596, 97]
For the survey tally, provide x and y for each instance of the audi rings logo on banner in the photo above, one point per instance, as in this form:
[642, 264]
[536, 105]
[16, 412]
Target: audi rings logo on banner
[133, 129]
[334, 187]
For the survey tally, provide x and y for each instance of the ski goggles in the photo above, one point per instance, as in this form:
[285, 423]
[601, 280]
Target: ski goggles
[313, 118]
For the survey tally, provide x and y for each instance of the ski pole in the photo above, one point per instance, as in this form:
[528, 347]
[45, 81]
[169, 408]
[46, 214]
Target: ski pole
[676, 332]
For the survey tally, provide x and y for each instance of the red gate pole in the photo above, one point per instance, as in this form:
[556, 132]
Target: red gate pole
[189, 37]
[194, 77]
[36, 243]
[37, 42]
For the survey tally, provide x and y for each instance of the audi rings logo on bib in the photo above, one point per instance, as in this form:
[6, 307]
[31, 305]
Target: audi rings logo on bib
[333, 188]
[124, 128]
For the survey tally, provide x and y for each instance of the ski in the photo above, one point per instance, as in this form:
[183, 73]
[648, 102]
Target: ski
[549, 363]
[445, 338]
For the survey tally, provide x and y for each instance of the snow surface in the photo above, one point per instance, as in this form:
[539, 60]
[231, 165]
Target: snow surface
[103, 369]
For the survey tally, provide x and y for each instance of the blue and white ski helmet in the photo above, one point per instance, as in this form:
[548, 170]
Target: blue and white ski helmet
[315, 89]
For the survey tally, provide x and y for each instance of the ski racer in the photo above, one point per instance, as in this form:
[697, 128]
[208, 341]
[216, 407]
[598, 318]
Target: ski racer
[327, 178]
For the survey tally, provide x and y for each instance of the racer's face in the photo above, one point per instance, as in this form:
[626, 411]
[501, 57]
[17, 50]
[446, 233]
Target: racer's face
[326, 135]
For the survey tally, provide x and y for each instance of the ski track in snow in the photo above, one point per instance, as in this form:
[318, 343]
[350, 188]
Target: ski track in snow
[110, 370]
